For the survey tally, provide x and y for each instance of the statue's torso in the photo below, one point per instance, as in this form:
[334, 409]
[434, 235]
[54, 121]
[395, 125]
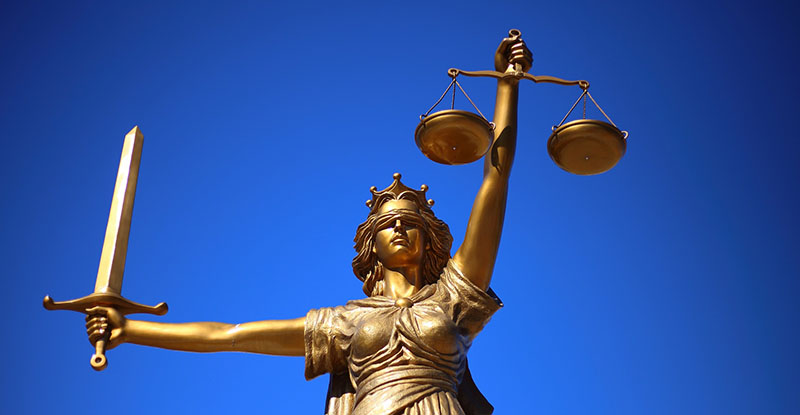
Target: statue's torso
[401, 359]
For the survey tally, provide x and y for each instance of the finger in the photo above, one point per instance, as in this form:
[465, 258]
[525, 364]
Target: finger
[506, 44]
[97, 327]
[521, 55]
[520, 59]
[94, 320]
[97, 310]
[520, 48]
[519, 44]
[94, 337]
[508, 41]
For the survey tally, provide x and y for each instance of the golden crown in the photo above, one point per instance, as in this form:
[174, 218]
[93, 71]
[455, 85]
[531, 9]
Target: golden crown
[397, 190]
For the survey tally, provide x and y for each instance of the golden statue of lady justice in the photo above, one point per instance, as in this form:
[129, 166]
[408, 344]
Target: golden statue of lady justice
[403, 349]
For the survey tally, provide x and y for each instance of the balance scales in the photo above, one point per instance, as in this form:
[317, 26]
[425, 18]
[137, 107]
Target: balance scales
[583, 147]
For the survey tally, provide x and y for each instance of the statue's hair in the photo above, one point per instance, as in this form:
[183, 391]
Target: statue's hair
[370, 271]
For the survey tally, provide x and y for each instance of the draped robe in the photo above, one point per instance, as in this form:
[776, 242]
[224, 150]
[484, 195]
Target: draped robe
[388, 358]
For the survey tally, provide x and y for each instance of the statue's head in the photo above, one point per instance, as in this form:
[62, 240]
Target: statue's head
[425, 239]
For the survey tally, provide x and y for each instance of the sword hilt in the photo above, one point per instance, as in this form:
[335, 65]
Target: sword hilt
[118, 302]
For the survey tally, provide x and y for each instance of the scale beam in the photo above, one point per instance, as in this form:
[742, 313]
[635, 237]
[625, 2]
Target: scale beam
[453, 72]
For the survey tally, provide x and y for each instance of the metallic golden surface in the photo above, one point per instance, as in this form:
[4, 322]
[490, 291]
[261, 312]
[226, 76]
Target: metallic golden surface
[401, 356]
[460, 137]
[403, 349]
[518, 75]
[454, 137]
[582, 147]
[117, 301]
[112, 259]
[395, 190]
[586, 147]
[115, 245]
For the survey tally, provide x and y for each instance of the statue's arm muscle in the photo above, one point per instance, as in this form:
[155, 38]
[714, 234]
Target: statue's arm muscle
[275, 337]
[477, 254]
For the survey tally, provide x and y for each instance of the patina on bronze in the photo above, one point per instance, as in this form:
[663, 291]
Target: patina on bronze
[402, 349]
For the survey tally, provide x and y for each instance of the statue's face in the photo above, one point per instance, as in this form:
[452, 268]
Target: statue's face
[400, 240]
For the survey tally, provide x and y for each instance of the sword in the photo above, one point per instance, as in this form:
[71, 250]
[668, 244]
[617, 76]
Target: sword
[115, 246]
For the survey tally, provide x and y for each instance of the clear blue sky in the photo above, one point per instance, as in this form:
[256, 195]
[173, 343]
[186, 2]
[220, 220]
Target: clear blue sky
[667, 285]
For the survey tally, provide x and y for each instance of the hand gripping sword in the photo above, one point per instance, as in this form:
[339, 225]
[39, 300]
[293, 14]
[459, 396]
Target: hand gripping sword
[115, 246]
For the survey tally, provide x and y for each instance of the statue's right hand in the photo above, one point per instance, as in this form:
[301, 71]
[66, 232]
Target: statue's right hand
[99, 320]
[512, 50]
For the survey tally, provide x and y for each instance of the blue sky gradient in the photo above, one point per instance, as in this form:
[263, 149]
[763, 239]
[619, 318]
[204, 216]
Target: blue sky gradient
[667, 285]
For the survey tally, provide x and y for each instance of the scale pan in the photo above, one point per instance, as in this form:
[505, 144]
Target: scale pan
[586, 147]
[454, 136]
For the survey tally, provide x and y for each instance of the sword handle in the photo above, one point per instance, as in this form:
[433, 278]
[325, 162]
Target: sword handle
[99, 361]
[120, 303]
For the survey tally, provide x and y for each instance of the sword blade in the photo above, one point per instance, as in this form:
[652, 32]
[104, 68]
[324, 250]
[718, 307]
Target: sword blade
[115, 245]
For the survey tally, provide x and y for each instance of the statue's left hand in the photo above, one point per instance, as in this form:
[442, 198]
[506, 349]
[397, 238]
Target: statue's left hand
[512, 50]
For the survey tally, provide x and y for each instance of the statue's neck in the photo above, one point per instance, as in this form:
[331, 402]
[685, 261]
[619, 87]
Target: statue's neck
[401, 283]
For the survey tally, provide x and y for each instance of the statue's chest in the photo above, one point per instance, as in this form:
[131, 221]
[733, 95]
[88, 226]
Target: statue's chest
[420, 329]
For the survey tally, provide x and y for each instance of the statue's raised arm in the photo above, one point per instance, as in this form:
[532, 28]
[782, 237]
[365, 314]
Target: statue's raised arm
[476, 255]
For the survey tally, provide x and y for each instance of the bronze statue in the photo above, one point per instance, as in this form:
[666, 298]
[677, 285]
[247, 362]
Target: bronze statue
[403, 349]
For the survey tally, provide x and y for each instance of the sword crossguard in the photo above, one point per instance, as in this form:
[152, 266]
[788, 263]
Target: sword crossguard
[120, 303]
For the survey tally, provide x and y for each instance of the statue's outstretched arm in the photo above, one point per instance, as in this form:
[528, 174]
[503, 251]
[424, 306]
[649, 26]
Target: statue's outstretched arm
[476, 255]
[275, 337]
